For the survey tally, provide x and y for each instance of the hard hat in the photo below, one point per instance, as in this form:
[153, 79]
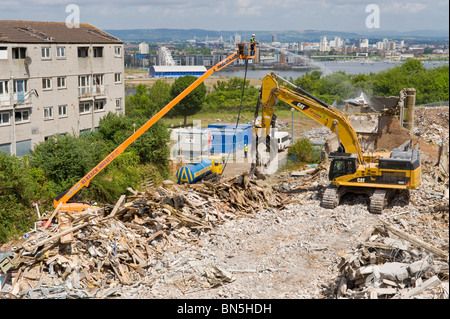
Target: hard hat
[253, 35]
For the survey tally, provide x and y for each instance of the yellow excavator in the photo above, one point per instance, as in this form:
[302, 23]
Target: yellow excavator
[63, 200]
[379, 175]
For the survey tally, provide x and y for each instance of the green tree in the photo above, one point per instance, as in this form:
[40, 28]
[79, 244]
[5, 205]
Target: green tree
[193, 102]
[227, 94]
[159, 97]
[151, 147]
[18, 190]
[138, 104]
[303, 149]
[65, 159]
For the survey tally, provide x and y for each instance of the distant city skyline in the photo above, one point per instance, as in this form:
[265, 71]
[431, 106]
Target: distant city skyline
[333, 15]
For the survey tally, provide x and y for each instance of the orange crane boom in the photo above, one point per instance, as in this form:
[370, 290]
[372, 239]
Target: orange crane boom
[243, 52]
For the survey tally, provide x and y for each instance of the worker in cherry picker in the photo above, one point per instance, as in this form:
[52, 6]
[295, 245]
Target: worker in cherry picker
[253, 42]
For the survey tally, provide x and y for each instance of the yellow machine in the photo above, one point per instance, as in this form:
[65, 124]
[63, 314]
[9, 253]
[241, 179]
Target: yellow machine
[217, 163]
[242, 52]
[378, 175]
[207, 168]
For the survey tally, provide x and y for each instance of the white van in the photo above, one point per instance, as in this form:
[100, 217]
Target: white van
[283, 140]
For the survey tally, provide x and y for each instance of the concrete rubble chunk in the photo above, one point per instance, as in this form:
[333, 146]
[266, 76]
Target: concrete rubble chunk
[394, 271]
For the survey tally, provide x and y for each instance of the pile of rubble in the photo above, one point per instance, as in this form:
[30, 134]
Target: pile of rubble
[431, 124]
[95, 253]
[390, 263]
[318, 135]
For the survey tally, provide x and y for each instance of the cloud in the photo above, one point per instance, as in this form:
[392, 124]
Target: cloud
[340, 15]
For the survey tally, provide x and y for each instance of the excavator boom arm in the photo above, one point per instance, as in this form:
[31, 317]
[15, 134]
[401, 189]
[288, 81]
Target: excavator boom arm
[309, 105]
[242, 53]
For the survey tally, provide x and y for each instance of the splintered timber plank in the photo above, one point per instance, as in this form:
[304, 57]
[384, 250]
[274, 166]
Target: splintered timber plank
[415, 240]
[116, 207]
[53, 214]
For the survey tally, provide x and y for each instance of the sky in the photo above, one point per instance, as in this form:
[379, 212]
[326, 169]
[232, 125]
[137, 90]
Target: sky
[230, 15]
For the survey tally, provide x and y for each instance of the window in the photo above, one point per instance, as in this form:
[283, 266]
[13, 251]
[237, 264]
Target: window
[98, 52]
[118, 103]
[3, 87]
[46, 84]
[48, 112]
[61, 82]
[62, 110]
[118, 77]
[3, 53]
[85, 107]
[83, 84]
[117, 51]
[83, 52]
[19, 53]
[45, 53]
[23, 148]
[60, 52]
[22, 116]
[85, 131]
[4, 118]
[99, 105]
[98, 79]
[6, 148]
[83, 81]
[20, 86]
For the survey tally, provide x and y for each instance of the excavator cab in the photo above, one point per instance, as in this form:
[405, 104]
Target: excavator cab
[244, 51]
[342, 164]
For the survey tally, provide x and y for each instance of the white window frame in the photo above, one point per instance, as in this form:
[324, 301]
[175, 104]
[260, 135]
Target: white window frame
[83, 105]
[4, 87]
[48, 113]
[86, 88]
[61, 52]
[22, 120]
[3, 116]
[59, 81]
[46, 53]
[62, 110]
[46, 83]
[119, 104]
[119, 75]
[118, 51]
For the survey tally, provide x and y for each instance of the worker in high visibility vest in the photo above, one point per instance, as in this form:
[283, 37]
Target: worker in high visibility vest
[253, 42]
[245, 150]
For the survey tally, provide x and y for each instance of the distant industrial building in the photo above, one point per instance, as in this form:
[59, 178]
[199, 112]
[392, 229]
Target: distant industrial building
[175, 71]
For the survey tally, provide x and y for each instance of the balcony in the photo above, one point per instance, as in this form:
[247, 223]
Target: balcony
[18, 98]
[91, 91]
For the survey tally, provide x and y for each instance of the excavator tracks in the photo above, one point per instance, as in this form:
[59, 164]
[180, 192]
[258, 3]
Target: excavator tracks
[379, 200]
[330, 197]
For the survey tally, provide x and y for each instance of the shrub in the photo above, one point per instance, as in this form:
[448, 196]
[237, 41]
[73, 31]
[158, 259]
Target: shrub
[303, 149]
[66, 159]
[17, 192]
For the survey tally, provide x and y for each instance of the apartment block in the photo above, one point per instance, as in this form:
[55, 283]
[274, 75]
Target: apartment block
[56, 80]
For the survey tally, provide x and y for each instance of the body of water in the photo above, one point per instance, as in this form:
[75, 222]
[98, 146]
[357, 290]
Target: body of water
[326, 67]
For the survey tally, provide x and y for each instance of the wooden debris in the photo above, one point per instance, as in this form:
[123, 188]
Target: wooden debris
[92, 253]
